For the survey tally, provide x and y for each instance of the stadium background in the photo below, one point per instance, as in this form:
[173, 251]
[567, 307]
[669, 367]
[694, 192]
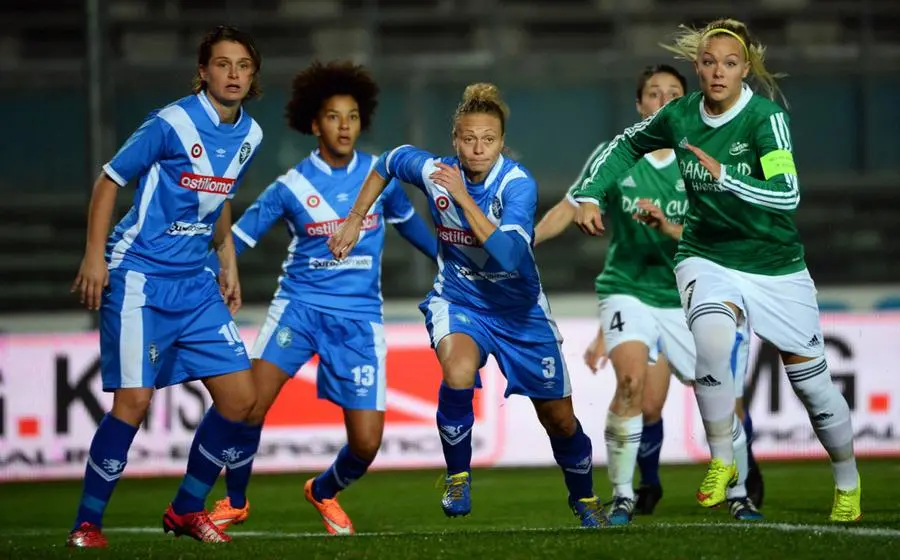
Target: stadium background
[76, 77]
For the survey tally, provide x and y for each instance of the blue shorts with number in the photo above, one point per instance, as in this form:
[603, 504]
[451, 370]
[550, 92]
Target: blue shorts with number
[159, 331]
[352, 353]
[525, 345]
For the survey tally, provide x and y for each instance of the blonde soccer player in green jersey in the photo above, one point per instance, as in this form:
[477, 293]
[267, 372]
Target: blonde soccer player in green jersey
[641, 318]
[740, 257]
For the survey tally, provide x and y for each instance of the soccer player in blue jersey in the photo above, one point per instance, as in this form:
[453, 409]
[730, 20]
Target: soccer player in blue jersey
[163, 319]
[487, 296]
[324, 306]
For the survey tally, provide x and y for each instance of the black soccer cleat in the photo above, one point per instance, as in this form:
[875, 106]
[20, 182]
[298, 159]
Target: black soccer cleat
[648, 495]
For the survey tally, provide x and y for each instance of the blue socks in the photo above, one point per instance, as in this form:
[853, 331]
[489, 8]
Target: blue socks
[346, 469]
[573, 455]
[648, 453]
[106, 462]
[237, 476]
[455, 417]
[217, 443]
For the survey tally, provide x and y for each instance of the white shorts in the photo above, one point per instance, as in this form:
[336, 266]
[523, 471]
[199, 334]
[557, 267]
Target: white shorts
[627, 319]
[782, 310]
[665, 330]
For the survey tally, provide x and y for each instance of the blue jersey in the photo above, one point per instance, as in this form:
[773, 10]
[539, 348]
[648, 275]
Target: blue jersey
[467, 274]
[187, 164]
[311, 198]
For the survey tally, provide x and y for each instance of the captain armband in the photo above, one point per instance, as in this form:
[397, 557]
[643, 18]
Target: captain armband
[778, 162]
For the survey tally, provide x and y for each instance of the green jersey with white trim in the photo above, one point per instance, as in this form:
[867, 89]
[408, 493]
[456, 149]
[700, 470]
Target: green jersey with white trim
[640, 261]
[743, 220]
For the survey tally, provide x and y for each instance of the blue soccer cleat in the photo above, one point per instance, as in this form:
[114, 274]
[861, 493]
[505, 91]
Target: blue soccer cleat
[589, 511]
[619, 511]
[457, 499]
[743, 509]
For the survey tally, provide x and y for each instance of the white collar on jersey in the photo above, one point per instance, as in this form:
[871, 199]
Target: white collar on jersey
[660, 163]
[211, 111]
[715, 121]
[320, 163]
[492, 176]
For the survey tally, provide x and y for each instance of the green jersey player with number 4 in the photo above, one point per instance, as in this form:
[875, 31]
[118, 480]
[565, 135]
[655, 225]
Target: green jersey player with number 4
[740, 258]
[641, 315]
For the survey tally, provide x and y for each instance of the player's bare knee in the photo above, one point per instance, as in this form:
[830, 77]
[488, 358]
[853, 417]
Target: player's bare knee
[366, 447]
[557, 417]
[131, 405]
[458, 375]
[238, 406]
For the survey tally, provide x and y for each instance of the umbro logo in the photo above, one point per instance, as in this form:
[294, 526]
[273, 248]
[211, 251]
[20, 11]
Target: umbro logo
[739, 148]
[708, 381]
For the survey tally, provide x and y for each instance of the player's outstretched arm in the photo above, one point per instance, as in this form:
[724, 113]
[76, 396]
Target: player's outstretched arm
[223, 242]
[399, 212]
[93, 274]
[555, 221]
[347, 234]
[622, 153]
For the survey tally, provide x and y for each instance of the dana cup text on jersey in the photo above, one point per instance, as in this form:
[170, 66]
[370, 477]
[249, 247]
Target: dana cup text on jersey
[328, 228]
[206, 183]
[674, 210]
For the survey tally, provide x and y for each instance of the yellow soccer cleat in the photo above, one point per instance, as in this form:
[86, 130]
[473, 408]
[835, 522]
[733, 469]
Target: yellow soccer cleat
[224, 515]
[719, 477]
[847, 508]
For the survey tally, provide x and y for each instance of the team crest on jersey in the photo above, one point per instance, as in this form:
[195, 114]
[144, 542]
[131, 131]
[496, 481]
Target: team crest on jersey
[313, 200]
[244, 153]
[679, 185]
[153, 353]
[739, 148]
[284, 337]
[442, 202]
[196, 151]
[497, 207]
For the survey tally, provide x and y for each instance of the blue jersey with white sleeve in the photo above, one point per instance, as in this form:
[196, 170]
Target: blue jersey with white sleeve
[187, 164]
[312, 198]
[468, 274]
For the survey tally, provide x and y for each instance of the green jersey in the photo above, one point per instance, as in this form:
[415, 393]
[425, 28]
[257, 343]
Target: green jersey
[743, 220]
[641, 260]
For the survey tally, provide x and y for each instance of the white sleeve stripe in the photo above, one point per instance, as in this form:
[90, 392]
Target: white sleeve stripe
[580, 199]
[778, 203]
[630, 131]
[405, 218]
[763, 193]
[387, 162]
[781, 132]
[518, 229]
[785, 132]
[114, 175]
[243, 236]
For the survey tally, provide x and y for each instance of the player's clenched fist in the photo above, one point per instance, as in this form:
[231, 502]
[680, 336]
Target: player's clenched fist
[346, 236]
[588, 219]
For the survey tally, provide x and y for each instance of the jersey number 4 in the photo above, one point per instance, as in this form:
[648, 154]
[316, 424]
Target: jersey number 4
[617, 323]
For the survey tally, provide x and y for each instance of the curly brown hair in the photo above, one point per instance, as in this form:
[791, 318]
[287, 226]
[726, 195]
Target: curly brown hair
[312, 87]
[228, 33]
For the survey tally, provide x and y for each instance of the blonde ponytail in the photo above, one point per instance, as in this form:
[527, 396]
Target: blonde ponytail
[482, 98]
[688, 42]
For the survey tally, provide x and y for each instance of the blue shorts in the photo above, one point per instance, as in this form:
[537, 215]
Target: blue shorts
[526, 346]
[158, 331]
[352, 353]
